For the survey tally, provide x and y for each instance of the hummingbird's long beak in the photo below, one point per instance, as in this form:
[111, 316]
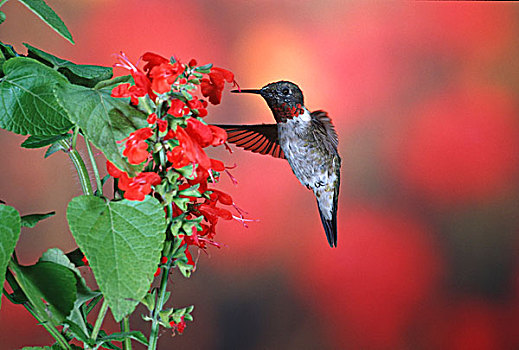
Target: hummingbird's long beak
[247, 91]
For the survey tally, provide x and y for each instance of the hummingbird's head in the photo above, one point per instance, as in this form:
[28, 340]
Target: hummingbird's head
[284, 98]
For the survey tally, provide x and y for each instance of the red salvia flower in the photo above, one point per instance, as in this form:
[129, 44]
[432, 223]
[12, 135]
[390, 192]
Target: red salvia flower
[219, 135]
[136, 148]
[136, 188]
[162, 124]
[199, 132]
[152, 118]
[178, 108]
[163, 75]
[192, 149]
[152, 60]
[199, 106]
[142, 83]
[212, 87]
[177, 157]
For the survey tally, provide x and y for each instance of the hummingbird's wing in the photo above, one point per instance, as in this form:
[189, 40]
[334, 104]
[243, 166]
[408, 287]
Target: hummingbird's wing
[259, 138]
[324, 123]
[327, 196]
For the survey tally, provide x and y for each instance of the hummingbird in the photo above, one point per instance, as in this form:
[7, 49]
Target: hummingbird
[307, 140]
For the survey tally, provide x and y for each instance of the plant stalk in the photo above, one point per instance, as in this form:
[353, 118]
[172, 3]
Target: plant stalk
[79, 164]
[94, 167]
[154, 334]
[125, 327]
[99, 321]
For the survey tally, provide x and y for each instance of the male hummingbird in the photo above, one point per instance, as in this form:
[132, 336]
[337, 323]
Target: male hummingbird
[307, 140]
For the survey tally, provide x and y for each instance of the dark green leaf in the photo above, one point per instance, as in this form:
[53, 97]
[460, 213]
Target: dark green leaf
[2, 17]
[80, 74]
[104, 119]
[42, 10]
[84, 293]
[55, 283]
[7, 51]
[27, 101]
[53, 149]
[121, 336]
[43, 140]
[9, 233]
[32, 219]
[110, 84]
[122, 241]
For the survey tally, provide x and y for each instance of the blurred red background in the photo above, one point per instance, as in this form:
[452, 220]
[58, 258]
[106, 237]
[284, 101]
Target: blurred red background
[425, 98]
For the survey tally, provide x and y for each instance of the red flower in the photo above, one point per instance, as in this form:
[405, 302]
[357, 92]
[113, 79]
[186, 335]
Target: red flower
[136, 152]
[85, 261]
[142, 83]
[211, 213]
[163, 75]
[136, 149]
[177, 157]
[192, 149]
[152, 60]
[113, 171]
[128, 90]
[221, 197]
[152, 118]
[162, 124]
[219, 135]
[199, 132]
[178, 108]
[213, 86]
[179, 327]
[136, 188]
[217, 165]
[199, 106]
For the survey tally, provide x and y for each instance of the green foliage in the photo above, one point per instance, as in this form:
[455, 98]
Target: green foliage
[122, 241]
[42, 10]
[102, 118]
[32, 219]
[80, 74]
[9, 233]
[28, 103]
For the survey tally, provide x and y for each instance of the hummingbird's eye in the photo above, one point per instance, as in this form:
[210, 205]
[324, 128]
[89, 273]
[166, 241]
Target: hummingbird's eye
[285, 91]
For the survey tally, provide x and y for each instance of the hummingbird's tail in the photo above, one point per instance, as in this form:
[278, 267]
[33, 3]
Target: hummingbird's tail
[330, 226]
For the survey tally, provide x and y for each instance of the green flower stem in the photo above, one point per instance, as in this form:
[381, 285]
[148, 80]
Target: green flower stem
[60, 339]
[154, 334]
[94, 167]
[99, 321]
[125, 327]
[74, 137]
[81, 169]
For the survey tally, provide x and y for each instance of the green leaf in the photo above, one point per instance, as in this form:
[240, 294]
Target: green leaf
[84, 294]
[53, 149]
[42, 10]
[122, 241]
[104, 119]
[27, 101]
[80, 74]
[32, 219]
[2, 17]
[54, 283]
[9, 233]
[43, 140]
[7, 51]
[121, 336]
